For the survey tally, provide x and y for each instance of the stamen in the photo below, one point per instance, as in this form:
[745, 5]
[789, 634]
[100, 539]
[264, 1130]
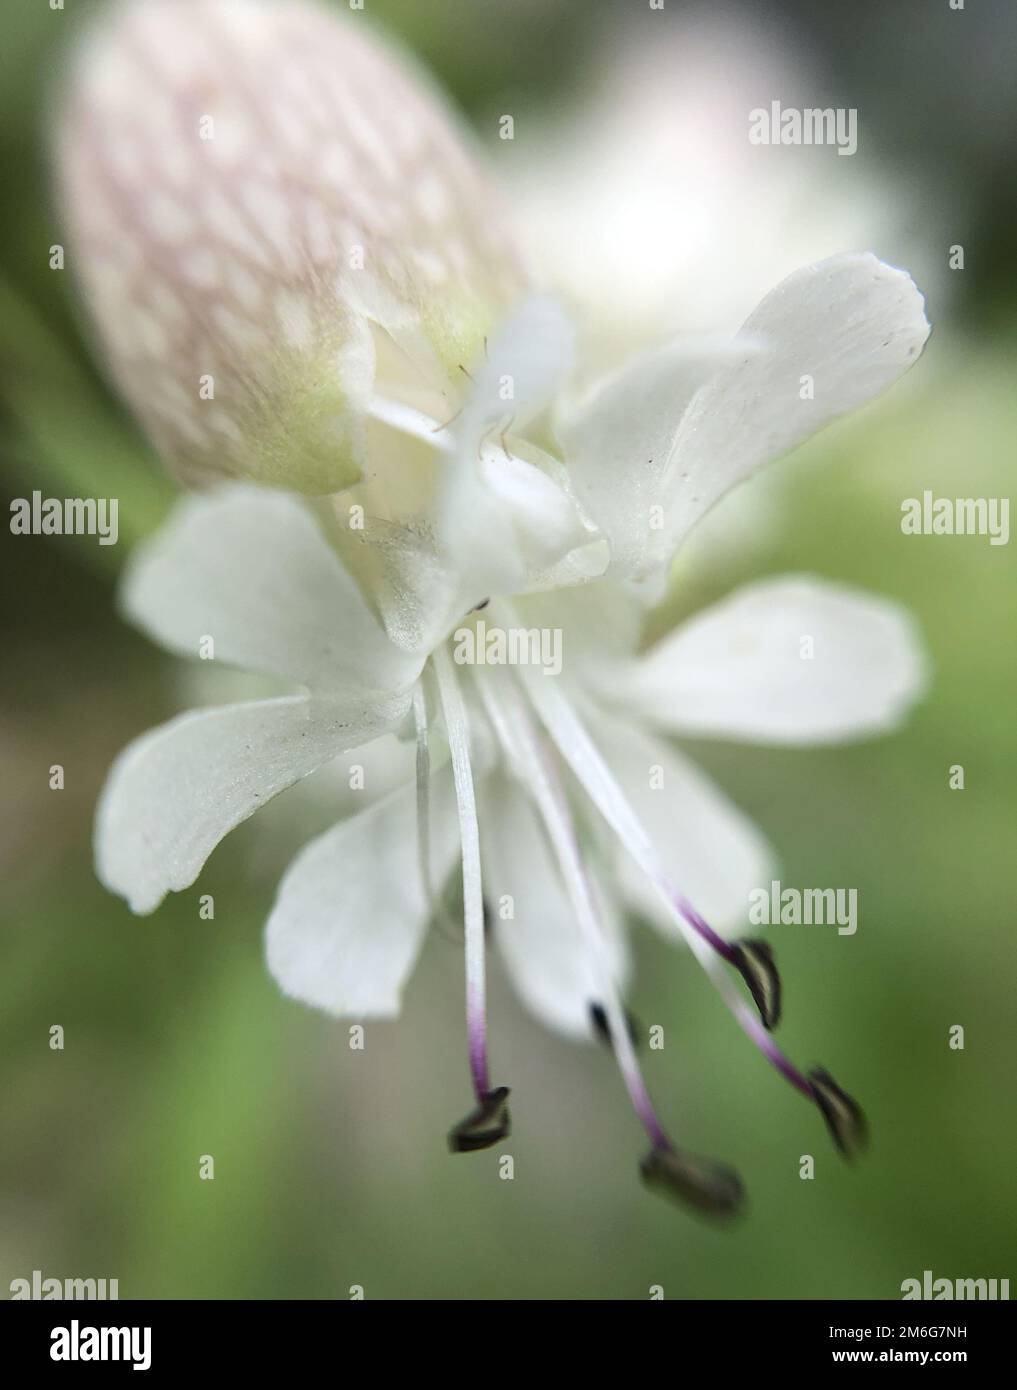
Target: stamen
[592, 772]
[457, 728]
[752, 958]
[435, 905]
[600, 1025]
[702, 926]
[408, 420]
[484, 1126]
[712, 1188]
[519, 741]
[754, 961]
[842, 1113]
[423, 768]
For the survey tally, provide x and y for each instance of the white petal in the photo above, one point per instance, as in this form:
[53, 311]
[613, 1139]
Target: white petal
[618, 439]
[175, 792]
[850, 324]
[601, 623]
[351, 912]
[501, 513]
[541, 513]
[418, 593]
[788, 660]
[709, 848]
[542, 945]
[252, 570]
[525, 363]
[667, 437]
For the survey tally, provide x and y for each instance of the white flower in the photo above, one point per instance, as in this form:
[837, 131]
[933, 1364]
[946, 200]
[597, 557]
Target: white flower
[529, 509]
[640, 194]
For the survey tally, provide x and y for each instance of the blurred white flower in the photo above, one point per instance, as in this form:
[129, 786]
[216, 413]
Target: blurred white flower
[646, 202]
[531, 507]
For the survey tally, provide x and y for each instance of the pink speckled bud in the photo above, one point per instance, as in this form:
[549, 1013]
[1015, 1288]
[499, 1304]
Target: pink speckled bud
[271, 215]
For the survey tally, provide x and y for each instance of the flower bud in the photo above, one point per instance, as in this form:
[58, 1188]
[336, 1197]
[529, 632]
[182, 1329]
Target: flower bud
[270, 216]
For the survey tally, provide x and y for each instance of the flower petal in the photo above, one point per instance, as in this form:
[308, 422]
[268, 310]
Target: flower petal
[252, 570]
[524, 365]
[618, 438]
[351, 911]
[465, 518]
[710, 849]
[849, 326]
[402, 567]
[601, 624]
[791, 660]
[501, 513]
[542, 944]
[248, 188]
[174, 793]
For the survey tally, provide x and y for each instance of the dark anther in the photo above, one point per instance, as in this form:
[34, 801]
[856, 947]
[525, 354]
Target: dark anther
[754, 962]
[598, 1017]
[483, 1126]
[479, 606]
[844, 1117]
[709, 1187]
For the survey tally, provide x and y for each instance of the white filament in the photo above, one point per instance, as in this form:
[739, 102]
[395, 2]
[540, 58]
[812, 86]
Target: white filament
[579, 751]
[423, 793]
[515, 733]
[457, 728]
[408, 420]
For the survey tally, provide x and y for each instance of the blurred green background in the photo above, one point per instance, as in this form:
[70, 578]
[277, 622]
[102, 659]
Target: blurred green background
[330, 1165]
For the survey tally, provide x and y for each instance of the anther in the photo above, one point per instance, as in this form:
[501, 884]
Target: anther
[598, 1017]
[844, 1117]
[753, 959]
[483, 1126]
[701, 1183]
